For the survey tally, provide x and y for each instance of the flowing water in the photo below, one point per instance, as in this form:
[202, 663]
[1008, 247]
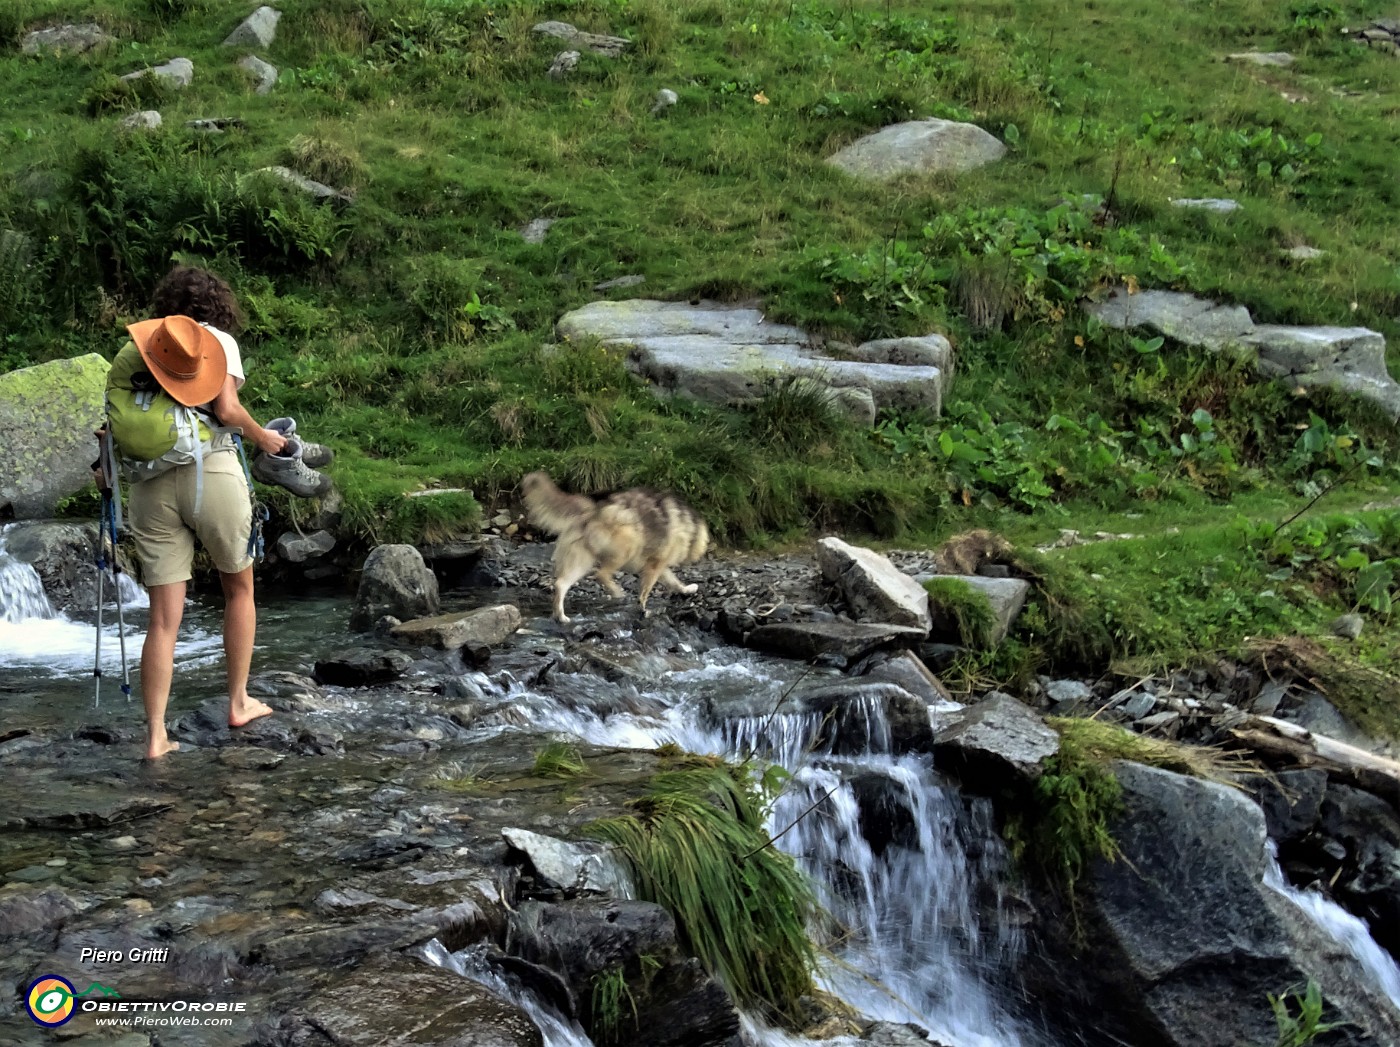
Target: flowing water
[912, 870]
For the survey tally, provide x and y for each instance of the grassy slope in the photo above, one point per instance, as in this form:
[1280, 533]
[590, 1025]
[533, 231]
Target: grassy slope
[439, 116]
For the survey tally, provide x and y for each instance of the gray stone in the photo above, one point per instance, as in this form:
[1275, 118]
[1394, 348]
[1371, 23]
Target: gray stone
[73, 39]
[1183, 317]
[483, 627]
[631, 280]
[177, 73]
[611, 46]
[1291, 801]
[48, 414]
[1303, 253]
[918, 147]
[259, 29]
[361, 667]
[535, 231]
[1348, 626]
[394, 581]
[565, 62]
[1212, 204]
[999, 735]
[571, 866]
[665, 98]
[1274, 58]
[145, 120]
[1138, 706]
[1320, 716]
[63, 555]
[263, 73]
[873, 588]
[298, 548]
[1267, 701]
[728, 354]
[1189, 936]
[1006, 596]
[309, 186]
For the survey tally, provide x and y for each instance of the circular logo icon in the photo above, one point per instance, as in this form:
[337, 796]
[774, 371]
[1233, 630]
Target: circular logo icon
[50, 1000]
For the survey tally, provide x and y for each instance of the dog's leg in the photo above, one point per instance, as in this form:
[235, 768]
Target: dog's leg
[669, 579]
[571, 562]
[651, 571]
[604, 574]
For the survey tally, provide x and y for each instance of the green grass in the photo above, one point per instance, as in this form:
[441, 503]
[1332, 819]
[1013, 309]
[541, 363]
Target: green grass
[559, 759]
[412, 329]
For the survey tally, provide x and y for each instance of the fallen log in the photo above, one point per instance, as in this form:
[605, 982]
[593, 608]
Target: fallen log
[1299, 747]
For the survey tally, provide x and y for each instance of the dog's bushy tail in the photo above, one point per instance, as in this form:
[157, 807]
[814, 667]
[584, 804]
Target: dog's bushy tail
[550, 509]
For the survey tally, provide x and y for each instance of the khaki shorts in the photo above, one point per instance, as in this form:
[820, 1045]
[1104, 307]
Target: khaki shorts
[161, 515]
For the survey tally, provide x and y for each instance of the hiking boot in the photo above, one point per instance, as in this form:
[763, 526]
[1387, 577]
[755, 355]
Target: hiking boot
[316, 456]
[288, 470]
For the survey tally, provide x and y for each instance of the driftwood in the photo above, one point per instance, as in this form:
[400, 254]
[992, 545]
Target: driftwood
[1279, 739]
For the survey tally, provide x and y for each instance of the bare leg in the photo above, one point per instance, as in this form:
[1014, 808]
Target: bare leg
[240, 625]
[158, 664]
[673, 583]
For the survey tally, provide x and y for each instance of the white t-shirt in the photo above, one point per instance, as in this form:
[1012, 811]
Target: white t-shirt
[234, 357]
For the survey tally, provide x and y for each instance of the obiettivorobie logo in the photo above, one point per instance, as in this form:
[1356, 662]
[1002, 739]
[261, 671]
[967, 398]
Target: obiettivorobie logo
[50, 1000]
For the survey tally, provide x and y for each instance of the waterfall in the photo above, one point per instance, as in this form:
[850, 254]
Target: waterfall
[1341, 926]
[21, 591]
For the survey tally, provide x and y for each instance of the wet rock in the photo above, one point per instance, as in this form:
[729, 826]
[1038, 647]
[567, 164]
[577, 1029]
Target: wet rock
[483, 627]
[28, 910]
[678, 1005]
[362, 667]
[811, 640]
[299, 548]
[886, 815]
[64, 557]
[1189, 943]
[575, 867]
[395, 581]
[873, 588]
[1317, 714]
[996, 740]
[399, 1002]
[76, 806]
[1368, 829]
[908, 671]
[290, 692]
[1291, 801]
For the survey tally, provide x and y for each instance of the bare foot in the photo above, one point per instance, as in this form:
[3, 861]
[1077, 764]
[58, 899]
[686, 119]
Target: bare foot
[247, 711]
[157, 750]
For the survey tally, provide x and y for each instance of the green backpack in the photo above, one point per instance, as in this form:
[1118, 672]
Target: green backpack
[150, 431]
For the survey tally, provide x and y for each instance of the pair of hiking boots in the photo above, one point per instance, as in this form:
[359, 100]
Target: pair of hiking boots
[294, 467]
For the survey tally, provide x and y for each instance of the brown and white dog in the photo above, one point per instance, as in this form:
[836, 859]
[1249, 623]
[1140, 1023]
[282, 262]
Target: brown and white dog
[638, 530]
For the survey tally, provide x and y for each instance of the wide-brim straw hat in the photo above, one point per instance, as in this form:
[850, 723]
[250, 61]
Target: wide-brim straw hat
[185, 356]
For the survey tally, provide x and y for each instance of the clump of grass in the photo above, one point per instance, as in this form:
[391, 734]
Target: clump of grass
[696, 845]
[1095, 740]
[559, 759]
[459, 777]
[609, 1001]
[970, 610]
[325, 160]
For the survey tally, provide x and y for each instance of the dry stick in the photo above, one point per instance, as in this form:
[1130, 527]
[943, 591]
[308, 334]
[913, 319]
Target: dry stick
[774, 839]
[1318, 497]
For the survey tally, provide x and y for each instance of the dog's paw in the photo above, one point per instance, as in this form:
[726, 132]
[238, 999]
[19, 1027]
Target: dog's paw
[690, 589]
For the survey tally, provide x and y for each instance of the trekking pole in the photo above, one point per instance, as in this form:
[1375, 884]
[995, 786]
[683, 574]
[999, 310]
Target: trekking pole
[110, 516]
[97, 657]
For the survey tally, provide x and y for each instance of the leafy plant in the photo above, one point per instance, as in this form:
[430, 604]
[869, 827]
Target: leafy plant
[696, 844]
[1307, 1025]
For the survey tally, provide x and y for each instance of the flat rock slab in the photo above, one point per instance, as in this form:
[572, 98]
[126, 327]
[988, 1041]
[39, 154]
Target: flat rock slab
[309, 186]
[77, 807]
[483, 627]
[849, 640]
[728, 354]
[47, 416]
[918, 147]
[1216, 205]
[571, 866]
[874, 589]
[1274, 58]
[72, 39]
[1351, 359]
[611, 46]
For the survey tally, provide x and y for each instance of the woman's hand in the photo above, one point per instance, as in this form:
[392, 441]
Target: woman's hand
[270, 441]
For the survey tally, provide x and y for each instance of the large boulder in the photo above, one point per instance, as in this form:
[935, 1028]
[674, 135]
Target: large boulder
[395, 581]
[997, 740]
[259, 29]
[731, 354]
[874, 589]
[918, 147]
[1183, 942]
[48, 414]
[1351, 359]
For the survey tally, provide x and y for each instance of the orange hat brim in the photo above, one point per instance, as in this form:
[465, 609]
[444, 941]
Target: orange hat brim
[191, 392]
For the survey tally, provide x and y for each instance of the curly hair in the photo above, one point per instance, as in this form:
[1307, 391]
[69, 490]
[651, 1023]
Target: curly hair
[200, 295]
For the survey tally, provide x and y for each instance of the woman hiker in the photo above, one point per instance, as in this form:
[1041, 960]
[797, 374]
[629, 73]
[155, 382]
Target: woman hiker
[190, 353]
